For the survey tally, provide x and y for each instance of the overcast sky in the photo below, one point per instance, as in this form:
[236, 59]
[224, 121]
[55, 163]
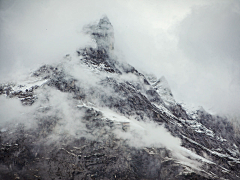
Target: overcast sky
[195, 44]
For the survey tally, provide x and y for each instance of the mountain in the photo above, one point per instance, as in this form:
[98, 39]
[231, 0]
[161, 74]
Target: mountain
[94, 116]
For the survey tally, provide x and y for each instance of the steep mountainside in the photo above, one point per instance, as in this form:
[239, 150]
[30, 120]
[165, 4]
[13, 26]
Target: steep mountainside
[93, 116]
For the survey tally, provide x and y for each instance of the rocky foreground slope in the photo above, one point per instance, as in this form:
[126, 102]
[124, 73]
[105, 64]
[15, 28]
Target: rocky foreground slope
[93, 116]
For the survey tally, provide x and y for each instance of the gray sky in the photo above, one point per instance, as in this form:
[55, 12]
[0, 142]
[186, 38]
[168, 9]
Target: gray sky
[194, 44]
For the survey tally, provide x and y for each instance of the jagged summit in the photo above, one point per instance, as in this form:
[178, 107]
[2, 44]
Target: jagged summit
[102, 33]
[105, 24]
[100, 57]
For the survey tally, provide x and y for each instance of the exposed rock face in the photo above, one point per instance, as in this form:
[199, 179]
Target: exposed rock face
[102, 33]
[87, 110]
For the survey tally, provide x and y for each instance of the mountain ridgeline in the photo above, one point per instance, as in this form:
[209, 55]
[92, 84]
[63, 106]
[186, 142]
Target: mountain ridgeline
[93, 116]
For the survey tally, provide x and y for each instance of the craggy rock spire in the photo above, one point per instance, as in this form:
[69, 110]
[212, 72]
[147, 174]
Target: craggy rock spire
[102, 33]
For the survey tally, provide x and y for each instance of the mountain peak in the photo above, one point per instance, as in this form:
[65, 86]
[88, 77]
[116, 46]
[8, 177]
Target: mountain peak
[104, 21]
[94, 117]
[102, 33]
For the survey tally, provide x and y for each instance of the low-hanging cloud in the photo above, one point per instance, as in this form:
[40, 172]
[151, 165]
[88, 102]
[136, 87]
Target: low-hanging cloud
[12, 112]
[210, 38]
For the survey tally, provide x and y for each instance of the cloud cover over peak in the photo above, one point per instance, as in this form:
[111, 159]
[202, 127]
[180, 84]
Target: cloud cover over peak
[194, 44]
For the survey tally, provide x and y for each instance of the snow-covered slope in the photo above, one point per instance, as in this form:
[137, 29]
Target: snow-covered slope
[94, 117]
